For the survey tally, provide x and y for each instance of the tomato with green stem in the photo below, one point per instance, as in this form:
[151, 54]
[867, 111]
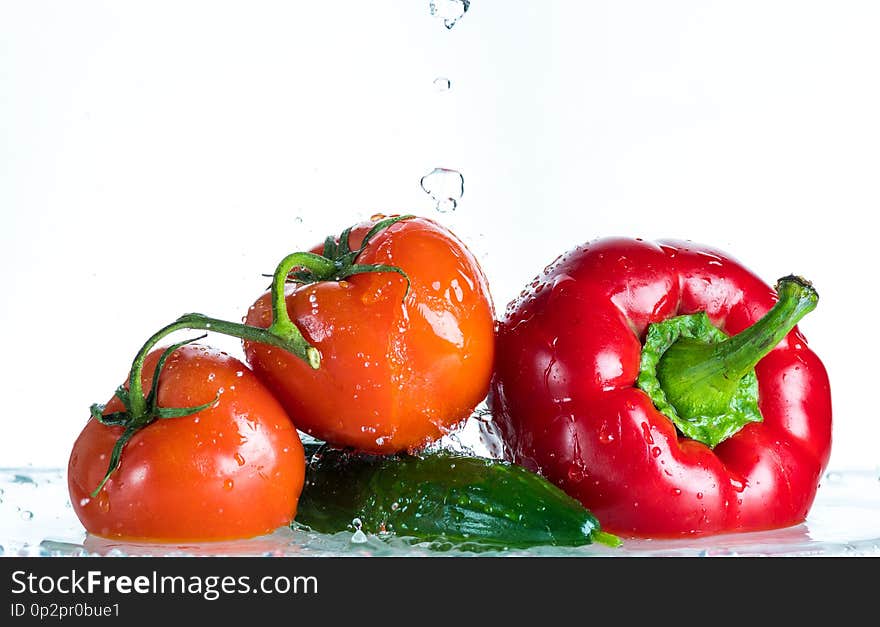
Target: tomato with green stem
[194, 447]
[400, 313]
[232, 469]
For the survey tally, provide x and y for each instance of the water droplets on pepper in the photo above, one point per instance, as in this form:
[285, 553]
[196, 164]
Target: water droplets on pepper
[445, 187]
[450, 11]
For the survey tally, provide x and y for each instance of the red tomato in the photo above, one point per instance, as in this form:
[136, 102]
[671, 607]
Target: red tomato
[398, 369]
[232, 471]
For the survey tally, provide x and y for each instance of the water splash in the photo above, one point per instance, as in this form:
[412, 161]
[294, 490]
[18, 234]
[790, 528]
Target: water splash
[450, 11]
[358, 537]
[445, 186]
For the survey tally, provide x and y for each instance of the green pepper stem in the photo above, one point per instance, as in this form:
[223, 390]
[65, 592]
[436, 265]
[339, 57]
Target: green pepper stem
[700, 378]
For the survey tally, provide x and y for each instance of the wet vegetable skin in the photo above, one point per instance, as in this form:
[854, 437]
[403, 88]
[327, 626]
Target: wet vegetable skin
[580, 399]
[443, 496]
[232, 470]
[406, 352]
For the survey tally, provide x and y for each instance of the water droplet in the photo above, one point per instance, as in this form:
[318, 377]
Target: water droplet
[450, 11]
[358, 537]
[676, 492]
[84, 501]
[575, 473]
[211, 376]
[298, 220]
[442, 84]
[27, 515]
[445, 186]
[239, 459]
[228, 484]
[699, 495]
[656, 451]
[646, 433]
[604, 436]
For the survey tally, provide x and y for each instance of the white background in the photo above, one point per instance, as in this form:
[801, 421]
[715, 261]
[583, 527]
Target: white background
[155, 158]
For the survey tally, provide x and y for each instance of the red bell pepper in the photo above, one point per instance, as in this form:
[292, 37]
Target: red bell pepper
[667, 388]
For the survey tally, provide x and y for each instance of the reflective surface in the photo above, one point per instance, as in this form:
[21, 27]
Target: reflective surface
[36, 520]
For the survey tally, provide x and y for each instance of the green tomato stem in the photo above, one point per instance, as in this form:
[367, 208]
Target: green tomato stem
[293, 343]
[282, 326]
[701, 378]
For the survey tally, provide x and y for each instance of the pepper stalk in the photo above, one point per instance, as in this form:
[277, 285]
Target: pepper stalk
[703, 380]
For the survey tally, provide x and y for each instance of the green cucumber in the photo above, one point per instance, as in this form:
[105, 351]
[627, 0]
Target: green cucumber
[446, 498]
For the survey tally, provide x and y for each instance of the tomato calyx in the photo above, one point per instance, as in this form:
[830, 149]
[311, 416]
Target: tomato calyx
[142, 409]
[337, 261]
[133, 421]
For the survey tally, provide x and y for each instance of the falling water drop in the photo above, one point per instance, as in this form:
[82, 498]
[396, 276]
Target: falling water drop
[445, 186]
[450, 11]
[442, 84]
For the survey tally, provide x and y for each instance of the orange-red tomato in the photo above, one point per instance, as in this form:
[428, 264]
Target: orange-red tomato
[234, 470]
[397, 369]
